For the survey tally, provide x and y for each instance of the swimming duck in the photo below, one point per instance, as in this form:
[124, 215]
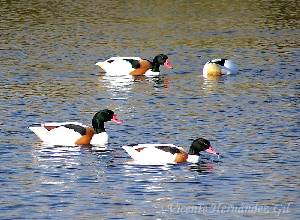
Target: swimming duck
[75, 133]
[168, 153]
[119, 66]
[219, 67]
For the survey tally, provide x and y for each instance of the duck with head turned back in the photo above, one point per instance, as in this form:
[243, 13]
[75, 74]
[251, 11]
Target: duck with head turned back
[218, 67]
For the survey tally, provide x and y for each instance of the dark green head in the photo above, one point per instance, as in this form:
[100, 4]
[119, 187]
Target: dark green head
[103, 116]
[161, 59]
[201, 144]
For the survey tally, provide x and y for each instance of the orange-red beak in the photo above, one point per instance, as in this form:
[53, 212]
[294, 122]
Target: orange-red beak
[168, 64]
[211, 150]
[116, 120]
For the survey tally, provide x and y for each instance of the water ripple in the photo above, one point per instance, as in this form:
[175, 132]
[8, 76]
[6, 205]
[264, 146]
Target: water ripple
[47, 56]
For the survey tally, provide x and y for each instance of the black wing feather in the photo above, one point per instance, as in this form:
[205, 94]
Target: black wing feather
[172, 150]
[134, 63]
[81, 130]
[219, 62]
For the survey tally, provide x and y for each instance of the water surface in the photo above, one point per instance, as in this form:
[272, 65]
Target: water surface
[47, 56]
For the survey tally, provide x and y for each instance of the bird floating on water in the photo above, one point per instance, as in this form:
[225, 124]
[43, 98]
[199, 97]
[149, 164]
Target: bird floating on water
[218, 67]
[134, 66]
[168, 153]
[75, 133]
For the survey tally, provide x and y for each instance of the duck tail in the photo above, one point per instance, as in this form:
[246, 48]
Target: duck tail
[130, 151]
[39, 131]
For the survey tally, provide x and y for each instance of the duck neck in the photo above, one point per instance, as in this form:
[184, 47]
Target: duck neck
[155, 66]
[99, 127]
[192, 151]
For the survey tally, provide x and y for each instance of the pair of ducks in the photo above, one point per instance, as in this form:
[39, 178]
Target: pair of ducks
[135, 66]
[75, 133]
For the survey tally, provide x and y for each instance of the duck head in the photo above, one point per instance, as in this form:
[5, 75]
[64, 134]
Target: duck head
[103, 116]
[201, 144]
[161, 59]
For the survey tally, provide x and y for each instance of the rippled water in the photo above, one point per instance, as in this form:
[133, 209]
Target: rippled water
[47, 56]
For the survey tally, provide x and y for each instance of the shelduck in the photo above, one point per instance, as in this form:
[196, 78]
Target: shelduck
[168, 153]
[75, 133]
[219, 67]
[134, 66]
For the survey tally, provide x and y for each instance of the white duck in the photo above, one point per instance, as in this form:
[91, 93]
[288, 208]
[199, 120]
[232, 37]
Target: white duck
[134, 66]
[75, 133]
[219, 67]
[168, 153]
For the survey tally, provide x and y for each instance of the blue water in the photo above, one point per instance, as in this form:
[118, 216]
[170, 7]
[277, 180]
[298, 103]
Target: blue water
[47, 57]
